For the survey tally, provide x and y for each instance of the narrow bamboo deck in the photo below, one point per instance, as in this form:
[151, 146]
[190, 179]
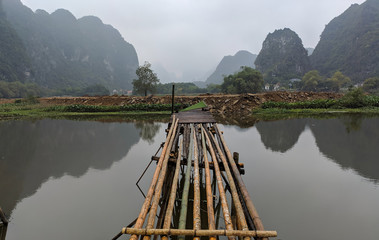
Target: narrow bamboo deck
[195, 181]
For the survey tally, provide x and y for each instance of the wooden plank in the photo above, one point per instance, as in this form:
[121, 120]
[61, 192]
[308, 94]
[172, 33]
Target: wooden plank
[195, 116]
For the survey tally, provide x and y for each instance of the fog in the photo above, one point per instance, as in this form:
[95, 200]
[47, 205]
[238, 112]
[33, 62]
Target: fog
[189, 38]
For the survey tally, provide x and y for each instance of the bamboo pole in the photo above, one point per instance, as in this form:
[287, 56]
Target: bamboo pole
[158, 189]
[199, 233]
[2, 217]
[249, 203]
[196, 184]
[171, 202]
[146, 204]
[236, 200]
[183, 210]
[208, 187]
[224, 202]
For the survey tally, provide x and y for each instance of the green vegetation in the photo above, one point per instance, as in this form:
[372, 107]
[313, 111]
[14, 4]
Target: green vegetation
[18, 90]
[349, 43]
[195, 106]
[64, 52]
[355, 101]
[186, 88]
[126, 108]
[248, 80]
[13, 58]
[230, 65]
[312, 81]
[92, 90]
[147, 80]
[30, 108]
[371, 85]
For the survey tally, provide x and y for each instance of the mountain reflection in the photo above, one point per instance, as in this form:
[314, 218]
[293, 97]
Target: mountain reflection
[350, 141]
[32, 152]
[348, 145]
[280, 136]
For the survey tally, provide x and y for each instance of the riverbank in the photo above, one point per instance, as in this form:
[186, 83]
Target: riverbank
[270, 105]
[221, 104]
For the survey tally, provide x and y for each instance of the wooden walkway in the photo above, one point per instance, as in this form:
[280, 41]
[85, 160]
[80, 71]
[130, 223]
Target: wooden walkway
[195, 181]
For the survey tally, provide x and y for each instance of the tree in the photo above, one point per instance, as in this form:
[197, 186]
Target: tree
[311, 80]
[147, 80]
[337, 81]
[371, 85]
[248, 80]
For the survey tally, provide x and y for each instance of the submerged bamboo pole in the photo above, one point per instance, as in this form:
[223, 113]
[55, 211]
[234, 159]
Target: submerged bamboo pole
[224, 202]
[196, 186]
[208, 187]
[158, 189]
[249, 203]
[146, 204]
[171, 202]
[239, 210]
[199, 233]
[183, 210]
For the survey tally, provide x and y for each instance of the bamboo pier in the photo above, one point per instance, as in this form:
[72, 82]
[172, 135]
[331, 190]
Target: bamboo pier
[196, 183]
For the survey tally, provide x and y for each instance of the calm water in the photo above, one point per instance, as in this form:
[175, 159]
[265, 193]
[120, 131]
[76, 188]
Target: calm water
[309, 179]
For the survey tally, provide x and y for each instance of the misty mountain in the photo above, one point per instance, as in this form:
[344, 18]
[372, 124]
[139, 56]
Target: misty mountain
[14, 62]
[350, 43]
[66, 52]
[282, 57]
[231, 64]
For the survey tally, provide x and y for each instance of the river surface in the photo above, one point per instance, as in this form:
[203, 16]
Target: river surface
[308, 178]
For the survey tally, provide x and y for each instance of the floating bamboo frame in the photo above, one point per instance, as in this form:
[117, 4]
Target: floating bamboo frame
[200, 146]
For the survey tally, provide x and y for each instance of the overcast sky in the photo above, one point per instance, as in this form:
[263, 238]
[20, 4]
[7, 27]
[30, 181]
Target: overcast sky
[190, 37]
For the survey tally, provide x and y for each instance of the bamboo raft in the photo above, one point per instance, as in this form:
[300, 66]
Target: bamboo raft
[194, 174]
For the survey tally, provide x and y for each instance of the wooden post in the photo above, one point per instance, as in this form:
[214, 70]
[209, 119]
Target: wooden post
[172, 99]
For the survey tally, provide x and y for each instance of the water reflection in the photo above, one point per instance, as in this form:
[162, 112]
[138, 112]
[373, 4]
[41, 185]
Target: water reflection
[148, 130]
[350, 141]
[32, 152]
[280, 136]
[350, 146]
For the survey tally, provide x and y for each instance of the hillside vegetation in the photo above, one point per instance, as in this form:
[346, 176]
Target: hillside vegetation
[66, 52]
[350, 43]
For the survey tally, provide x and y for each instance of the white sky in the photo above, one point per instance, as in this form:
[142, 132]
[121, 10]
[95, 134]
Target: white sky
[190, 37]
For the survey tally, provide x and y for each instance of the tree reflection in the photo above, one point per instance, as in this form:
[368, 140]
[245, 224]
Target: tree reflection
[148, 130]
